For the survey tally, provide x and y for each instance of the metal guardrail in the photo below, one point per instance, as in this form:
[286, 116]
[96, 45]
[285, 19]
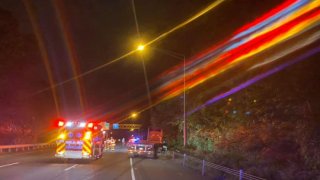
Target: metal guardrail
[204, 165]
[24, 147]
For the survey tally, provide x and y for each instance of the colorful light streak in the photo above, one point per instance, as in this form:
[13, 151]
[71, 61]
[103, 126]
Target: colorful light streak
[43, 51]
[186, 22]
[285, 9]
[280, 27]
[256, 79]
[71, 50]
[288, 21]
[158, 38]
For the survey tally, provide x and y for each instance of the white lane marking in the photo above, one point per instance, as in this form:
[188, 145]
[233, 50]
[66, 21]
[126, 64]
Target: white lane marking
[90, 177]
[67, 169]
[9, 164]
[132, 171]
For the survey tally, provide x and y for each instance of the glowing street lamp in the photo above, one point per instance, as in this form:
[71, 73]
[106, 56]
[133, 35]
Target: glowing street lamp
[140, 47]
[134, 115]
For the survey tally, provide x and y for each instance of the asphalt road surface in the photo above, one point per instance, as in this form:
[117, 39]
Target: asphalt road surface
[114, 165]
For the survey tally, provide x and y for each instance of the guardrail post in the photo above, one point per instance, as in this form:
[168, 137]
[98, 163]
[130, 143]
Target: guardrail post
[240, 174]
[184, 160]
[203, 167]
[172, 154]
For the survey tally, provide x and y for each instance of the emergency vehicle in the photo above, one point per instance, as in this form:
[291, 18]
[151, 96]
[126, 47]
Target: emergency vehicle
[147, 148]
[79, 140]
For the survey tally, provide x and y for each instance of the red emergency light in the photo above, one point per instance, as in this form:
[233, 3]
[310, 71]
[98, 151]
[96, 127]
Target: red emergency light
[60, 122]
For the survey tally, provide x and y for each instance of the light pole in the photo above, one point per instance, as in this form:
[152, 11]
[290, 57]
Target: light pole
[141, 48]
[183, 57]
[177, 56]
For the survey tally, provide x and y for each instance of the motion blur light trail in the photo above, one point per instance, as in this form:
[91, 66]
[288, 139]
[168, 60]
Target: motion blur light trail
[43, 51]
[71, 50]
[291, 49]
[161, 36]
[256, 79]
[184, 23]
[288, 21]
[283, 30]
[285, 9]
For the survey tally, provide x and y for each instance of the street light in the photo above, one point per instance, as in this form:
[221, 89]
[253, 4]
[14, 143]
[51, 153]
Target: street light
[177, 56]
[183, 57]
[140, 47]
[134, 115]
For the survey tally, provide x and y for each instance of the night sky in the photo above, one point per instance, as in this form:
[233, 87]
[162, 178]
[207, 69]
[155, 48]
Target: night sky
[99, 31]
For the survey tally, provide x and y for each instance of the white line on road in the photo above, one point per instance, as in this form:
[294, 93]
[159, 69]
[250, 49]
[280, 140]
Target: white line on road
[132, 171]
[9, 164]
[67, 169]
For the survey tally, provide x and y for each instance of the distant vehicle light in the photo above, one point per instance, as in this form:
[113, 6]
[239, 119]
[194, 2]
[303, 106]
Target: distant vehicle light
[69, 124]
[62, 136]
[90, 125]
[87, 135]
[60, 123]
[82, 124]
[135, 140]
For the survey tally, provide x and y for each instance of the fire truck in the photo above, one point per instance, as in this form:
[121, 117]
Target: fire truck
[149, 147]
[79, 140]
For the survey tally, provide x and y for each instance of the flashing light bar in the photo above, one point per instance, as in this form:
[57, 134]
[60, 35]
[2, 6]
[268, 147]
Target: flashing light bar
[90, 125]
[82, 124]
[69, 124]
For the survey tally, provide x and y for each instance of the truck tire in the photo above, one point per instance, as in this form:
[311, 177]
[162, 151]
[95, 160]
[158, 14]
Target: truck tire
[155, 152]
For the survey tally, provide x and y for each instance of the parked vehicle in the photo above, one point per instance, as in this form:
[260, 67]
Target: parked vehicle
[149, 147]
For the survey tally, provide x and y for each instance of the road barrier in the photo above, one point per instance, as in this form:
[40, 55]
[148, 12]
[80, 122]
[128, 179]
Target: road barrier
[25, 147]
[204, 166]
